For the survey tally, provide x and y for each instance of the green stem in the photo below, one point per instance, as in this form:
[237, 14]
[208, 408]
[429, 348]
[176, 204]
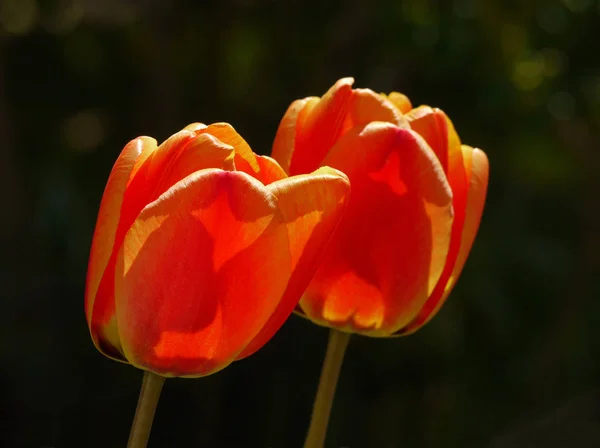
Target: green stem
[144, 414]
[336, 347]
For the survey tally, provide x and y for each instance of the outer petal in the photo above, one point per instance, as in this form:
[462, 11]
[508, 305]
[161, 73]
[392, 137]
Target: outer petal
[270, 171]
[200, 272]
[312, 206]
[437, 129]
[477, 168]
[285, 139]
[179, 156]
[104, 237]
[323, 125]
[195, 127]
[245, 160]
[262, 168]
[478, 182]
[401, 101]
[327, 120]
[153, 173]
[390, 248]
[366, 106]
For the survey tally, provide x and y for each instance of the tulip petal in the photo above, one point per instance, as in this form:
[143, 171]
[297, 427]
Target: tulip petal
[245, 160]
[322, 126]
[270, 171]
[401, 101]
[195, 127]
[103, 242]
[477, 169]
[478, 182]
[147, 168]
[200, 272]
[312, 206]
[142, 187]
[181, 154]
[283, 146]
[367, 106]
[201, 152]
[391, 245]
[262, 168]
[301, 148]
[438, 131]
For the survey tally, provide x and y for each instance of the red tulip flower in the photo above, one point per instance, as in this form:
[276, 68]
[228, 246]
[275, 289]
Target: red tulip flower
[417, 199]
[416, 202]
[202, 249]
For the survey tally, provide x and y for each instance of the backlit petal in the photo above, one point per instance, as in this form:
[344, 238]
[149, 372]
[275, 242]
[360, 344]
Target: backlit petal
[477, 169]
[136, 196]
[162, 167]
[285, 139]
[245, 159]
[200, 272]
[401, 101]
[270, 171]
[478, 182]
[194, 127]
[103, 242]
[262, 168]
[179, 156]
[312, 206]
[201, 152]
[366, 106]
[142, 187]
[437, 129]
[322, 126]
[391, 245]
[304, 146]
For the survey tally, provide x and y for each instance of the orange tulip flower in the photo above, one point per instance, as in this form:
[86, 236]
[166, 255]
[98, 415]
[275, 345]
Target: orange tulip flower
[202, 250]
[417, 199]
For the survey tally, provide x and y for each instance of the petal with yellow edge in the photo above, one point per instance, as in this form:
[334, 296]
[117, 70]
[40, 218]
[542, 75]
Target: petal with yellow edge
[391, 245]
[285, 139]
[321, 126]
[195, 127]
[311, 126]
[103, 243]
[478, 175]
[367, 106]
[200, 272]
[311, 206]
[262, 168]
[269, 171]
[179, 156]
[477, 169]
[401, 101]
[245, 160]
[438, 131]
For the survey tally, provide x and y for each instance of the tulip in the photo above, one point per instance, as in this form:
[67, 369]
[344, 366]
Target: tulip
[417, 199]
[201, 251]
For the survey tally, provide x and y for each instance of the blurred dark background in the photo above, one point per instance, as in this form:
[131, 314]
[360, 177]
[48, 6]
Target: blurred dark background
[513, 359]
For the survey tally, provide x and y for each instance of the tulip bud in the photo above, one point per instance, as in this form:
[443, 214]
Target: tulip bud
[202, 249]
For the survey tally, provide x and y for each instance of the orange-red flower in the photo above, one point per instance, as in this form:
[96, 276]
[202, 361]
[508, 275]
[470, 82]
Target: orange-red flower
[202, 250]
[416, 202]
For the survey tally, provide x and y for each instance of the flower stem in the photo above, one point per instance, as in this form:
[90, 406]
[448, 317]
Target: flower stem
[144, 414]
[336, 347]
